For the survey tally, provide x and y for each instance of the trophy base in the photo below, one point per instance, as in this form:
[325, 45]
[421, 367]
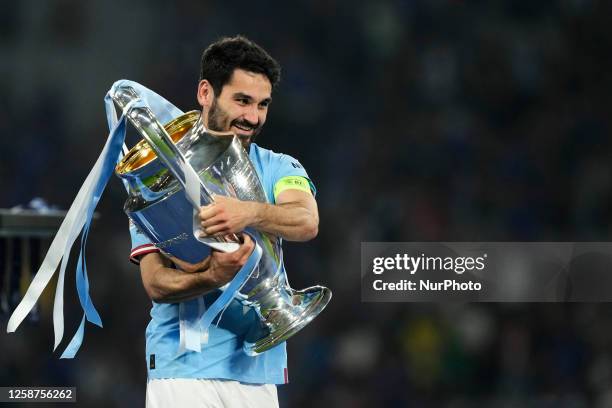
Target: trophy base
[312, 301]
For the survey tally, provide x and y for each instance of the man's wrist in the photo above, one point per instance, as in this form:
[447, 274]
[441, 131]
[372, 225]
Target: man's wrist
[255, 213]
[209, 279]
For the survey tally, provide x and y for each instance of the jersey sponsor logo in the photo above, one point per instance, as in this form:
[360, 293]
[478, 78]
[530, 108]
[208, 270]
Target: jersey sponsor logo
[296, 165]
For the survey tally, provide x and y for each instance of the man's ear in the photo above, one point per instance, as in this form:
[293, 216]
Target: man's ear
[206, 94]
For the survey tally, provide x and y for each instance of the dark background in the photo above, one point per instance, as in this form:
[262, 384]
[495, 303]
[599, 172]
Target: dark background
[417, 120]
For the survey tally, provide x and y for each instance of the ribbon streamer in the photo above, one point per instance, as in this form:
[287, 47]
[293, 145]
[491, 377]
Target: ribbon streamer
[78, 218]
[194, 319]
[79, 215]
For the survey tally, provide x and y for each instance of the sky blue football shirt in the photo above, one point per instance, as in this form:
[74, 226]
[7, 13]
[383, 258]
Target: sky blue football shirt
[222, 357]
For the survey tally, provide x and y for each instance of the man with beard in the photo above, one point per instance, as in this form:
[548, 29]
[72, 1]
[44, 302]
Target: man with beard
[235, 91]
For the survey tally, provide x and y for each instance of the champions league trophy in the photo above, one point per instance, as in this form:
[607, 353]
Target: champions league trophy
[180, 166]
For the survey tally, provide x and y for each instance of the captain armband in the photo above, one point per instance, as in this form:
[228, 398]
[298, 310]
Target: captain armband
[293, 183]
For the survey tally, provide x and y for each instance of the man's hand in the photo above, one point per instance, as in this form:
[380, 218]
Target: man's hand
[165, 284]
[226, 215]
[220, 266]
[294, 217]
[224, 265]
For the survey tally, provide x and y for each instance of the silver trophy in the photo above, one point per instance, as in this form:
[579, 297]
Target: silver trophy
[154, 173]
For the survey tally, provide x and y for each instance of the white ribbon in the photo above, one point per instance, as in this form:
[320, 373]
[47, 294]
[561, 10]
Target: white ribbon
[76, 218]
[60, 250]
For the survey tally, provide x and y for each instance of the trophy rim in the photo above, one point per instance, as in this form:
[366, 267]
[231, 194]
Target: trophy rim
[141, 153]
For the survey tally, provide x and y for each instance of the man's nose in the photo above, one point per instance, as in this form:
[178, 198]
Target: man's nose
[251, 116]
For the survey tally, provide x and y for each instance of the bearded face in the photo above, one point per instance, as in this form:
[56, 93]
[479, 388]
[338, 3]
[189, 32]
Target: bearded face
[219, 120]
[240, 108]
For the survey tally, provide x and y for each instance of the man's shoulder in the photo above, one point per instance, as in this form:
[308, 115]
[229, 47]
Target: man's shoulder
[270, 157]
[264, 154]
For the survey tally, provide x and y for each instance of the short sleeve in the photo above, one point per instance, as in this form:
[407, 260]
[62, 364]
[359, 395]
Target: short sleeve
[141, 244]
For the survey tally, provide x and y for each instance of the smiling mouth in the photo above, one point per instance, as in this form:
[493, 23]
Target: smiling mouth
[248, 129]
[245, 126]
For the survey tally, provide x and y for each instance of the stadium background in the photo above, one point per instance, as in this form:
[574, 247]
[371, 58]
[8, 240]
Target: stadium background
[417, 120]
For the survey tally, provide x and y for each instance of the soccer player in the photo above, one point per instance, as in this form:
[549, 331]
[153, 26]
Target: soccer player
[235, 91]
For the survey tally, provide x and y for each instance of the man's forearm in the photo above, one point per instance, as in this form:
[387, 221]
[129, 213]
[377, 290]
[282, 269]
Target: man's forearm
[165, 284]
[170, 285]
[294, 217]
[291, 221]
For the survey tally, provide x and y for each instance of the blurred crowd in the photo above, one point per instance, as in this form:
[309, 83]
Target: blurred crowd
[417, 120]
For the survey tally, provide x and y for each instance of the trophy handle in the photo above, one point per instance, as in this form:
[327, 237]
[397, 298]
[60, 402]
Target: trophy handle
[145, 122]
[143, 119]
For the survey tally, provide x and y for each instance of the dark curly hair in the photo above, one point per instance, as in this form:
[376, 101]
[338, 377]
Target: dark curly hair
[222, 57]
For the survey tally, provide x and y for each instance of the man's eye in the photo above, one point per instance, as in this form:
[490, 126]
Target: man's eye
[242, 101]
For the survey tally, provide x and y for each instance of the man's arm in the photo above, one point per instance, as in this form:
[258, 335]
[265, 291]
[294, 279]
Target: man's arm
[294, 217]
[165, 284]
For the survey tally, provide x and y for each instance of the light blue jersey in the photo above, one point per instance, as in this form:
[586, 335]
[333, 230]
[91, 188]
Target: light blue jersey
[222, 357]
